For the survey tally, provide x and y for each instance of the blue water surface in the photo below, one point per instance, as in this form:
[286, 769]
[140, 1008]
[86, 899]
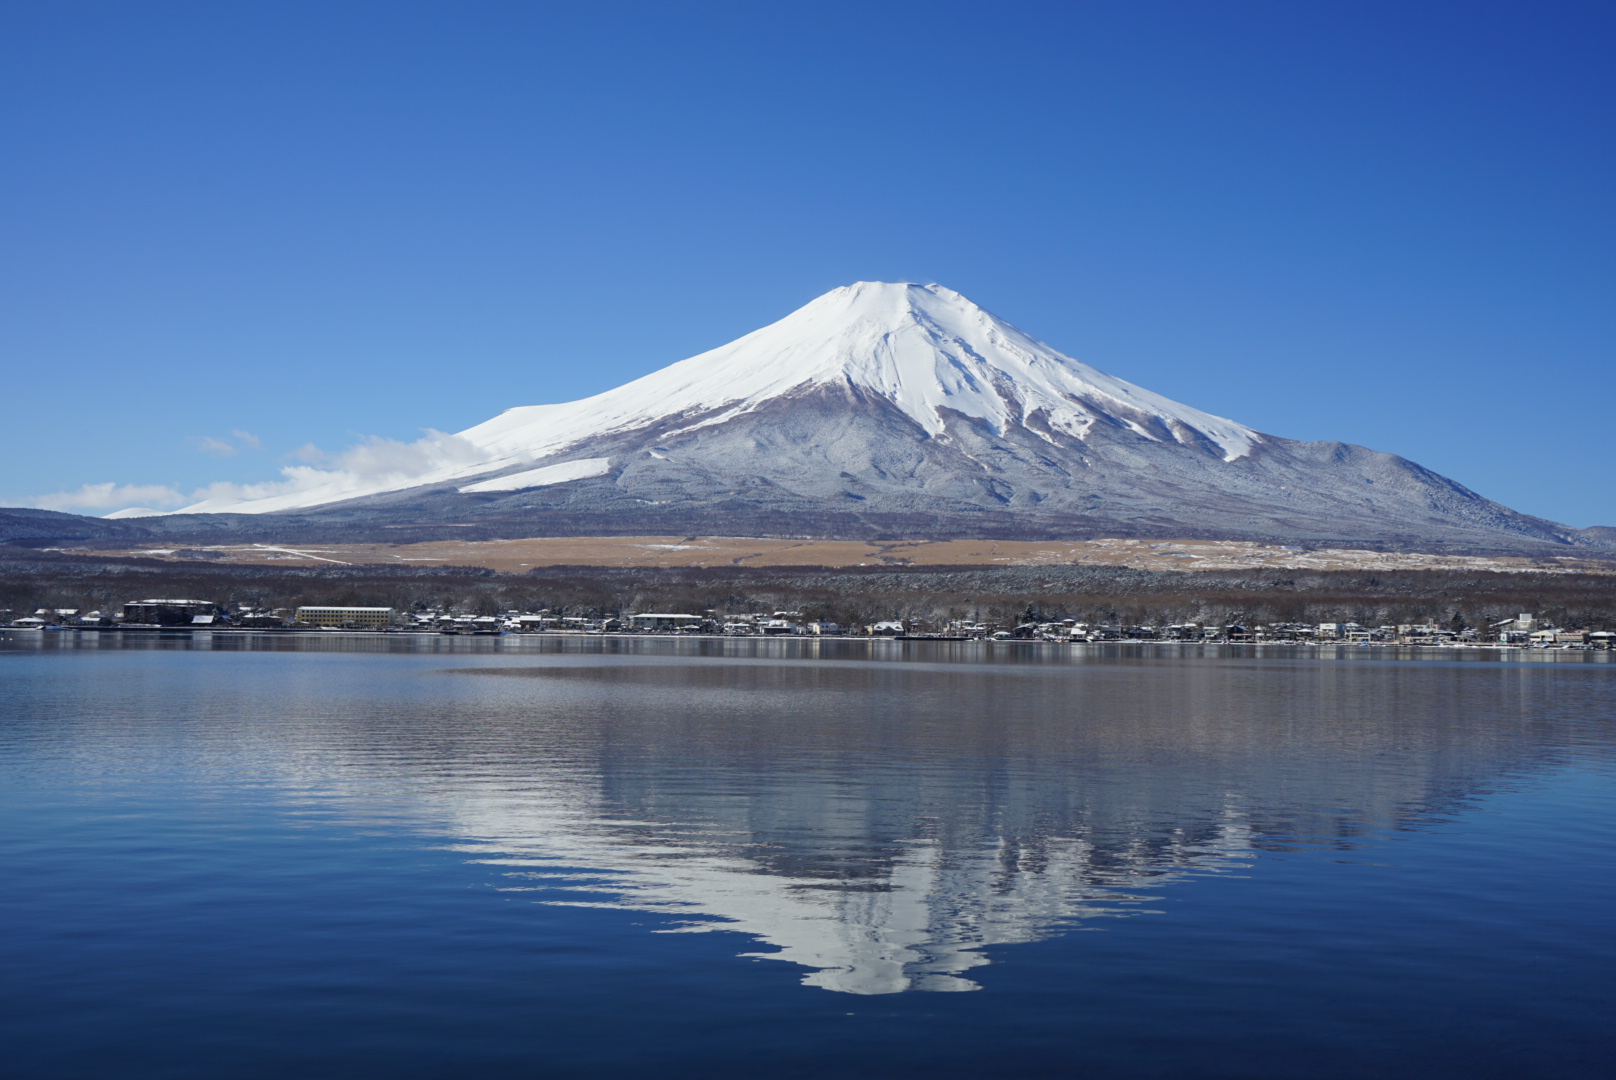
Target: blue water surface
[332, 856]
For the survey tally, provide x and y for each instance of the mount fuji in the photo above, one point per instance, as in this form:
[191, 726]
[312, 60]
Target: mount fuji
[896, 410]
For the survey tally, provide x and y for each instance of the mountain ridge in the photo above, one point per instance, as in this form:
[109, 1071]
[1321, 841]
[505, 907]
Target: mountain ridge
[882, 403]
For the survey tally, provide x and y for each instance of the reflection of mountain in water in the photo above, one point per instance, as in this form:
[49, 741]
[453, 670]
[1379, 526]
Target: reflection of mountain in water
[917, 918]
[885, 823]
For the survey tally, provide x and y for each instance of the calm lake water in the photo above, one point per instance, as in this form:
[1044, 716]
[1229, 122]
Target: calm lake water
[330, 856]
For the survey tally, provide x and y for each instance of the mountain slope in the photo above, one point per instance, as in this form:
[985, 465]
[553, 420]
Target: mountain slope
[880, 407]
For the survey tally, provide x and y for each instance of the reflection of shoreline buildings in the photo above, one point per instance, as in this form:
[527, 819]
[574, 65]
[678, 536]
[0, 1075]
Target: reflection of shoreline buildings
[1521, 632]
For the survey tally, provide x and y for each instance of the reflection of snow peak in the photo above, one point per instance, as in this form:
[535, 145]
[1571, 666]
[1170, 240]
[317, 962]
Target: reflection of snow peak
[919, 927]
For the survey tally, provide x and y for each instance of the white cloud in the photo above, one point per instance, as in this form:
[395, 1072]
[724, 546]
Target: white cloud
[207, 444]
[109, 495]
[374, 465]
[218, 447]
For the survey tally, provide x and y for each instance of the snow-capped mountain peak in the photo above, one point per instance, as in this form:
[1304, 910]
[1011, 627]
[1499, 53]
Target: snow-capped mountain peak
[925, 348]
[887, 409]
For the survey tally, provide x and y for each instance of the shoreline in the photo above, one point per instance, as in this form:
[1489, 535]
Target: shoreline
[539, 637]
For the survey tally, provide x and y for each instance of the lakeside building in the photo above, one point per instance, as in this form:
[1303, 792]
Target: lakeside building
[171, 612]
[363, 617]
[532, 623]
[657, 620]
[1518, 630]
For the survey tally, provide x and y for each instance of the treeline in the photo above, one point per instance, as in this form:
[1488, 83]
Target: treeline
[35, 579]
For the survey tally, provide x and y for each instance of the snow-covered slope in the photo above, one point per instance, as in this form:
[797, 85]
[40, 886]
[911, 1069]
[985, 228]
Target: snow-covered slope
[890, 409]
[925, 349]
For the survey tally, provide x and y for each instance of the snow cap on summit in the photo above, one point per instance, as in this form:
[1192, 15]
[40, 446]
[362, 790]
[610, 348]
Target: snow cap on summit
[923, 347]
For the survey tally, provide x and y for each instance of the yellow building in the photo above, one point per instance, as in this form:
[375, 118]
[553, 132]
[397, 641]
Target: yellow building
[367, 618]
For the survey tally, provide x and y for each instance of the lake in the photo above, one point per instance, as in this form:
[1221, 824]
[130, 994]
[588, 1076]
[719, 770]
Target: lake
[342, 856]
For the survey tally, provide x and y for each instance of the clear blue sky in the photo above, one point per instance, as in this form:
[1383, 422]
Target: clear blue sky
[1387, 223]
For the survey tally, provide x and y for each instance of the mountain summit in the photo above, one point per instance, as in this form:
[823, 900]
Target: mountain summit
[923, 349]
[898, 409]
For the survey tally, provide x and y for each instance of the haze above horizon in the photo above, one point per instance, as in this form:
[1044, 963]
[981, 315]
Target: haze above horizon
[239, 238]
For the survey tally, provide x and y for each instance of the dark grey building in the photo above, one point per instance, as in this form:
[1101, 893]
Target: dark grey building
[168, 612]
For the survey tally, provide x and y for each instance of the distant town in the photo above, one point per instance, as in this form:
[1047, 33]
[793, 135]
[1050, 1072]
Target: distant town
[1522, 631]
